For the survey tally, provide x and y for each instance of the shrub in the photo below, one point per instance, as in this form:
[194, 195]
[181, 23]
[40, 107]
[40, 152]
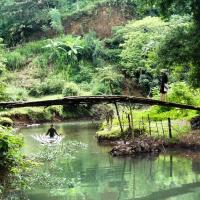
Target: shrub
[50, 86]
[71, 89]
[33, 48]
[39, 114]
[181, 93]
[3, 95]
[17, 93]
[15, 60]
[76, 111]
[5, 121]
[10, 146]
[58, 110]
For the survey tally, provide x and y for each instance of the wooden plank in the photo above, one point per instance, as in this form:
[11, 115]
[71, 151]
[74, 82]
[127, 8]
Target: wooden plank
[95, 100]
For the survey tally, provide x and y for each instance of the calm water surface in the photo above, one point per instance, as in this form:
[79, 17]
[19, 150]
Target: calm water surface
[102, 177]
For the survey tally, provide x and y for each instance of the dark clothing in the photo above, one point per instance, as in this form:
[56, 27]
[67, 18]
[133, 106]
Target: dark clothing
[52, 132]
[163, 84]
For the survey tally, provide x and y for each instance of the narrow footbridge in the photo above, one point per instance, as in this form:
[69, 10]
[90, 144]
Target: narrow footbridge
[77, 100]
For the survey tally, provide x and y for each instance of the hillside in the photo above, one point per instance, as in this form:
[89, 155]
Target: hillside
[87, 50]
[99, 19]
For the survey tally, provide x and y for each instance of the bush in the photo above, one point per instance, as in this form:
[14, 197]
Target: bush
[15, 60]
[33, 48]
[181, 93]
[10, 146]
[76, 111]
[58, 110]
[39, 114]
[3, 95]
[17, 94]
[71, 89]
[50, 86]
[5, 121]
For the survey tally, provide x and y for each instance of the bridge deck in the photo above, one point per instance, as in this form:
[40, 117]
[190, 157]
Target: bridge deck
[95, 100]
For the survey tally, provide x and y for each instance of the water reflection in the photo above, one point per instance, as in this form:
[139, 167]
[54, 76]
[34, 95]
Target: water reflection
[101, 177]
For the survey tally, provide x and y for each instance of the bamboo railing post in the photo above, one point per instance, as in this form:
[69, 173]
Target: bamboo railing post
[117, 110]
[170, 128]
[163, 131]
[129, 121]
[131, 113]
[139, 127]
[122, 119]
[149, 124]
[143, 128]
[157, 128]
[118, 115]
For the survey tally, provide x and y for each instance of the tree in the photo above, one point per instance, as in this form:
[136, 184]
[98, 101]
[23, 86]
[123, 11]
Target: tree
[142, 37]
[56, 22]
[181, 7]
[109, 77]
[65, 53]
[18, 18]
[180, 49]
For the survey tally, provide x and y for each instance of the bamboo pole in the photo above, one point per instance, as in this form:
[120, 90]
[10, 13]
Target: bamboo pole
[75, 100]
[143, 128]
[149, 125]
[163, 131]
[157, 128]
[170, 128]
[117, 110]
[120, 123]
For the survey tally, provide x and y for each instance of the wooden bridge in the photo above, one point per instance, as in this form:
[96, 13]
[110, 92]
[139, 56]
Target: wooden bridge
[77, 100]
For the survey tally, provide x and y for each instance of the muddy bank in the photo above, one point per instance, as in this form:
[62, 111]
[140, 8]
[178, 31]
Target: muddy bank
[23, 121]
[150, 145]
[143, 144]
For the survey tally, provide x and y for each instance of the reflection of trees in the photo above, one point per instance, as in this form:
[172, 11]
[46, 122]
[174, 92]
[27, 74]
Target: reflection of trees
[120, 178]
[172, 192]
[122, 185]
[56, 161]
[162, 177]
[50, 175]
[137, 178]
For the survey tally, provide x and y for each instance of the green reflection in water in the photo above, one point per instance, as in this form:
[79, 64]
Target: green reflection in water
[98, 176]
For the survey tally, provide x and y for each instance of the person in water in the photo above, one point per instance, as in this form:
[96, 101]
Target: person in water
[52, 132]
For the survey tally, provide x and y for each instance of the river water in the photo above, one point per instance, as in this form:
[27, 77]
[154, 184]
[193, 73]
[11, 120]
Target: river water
[95, 175]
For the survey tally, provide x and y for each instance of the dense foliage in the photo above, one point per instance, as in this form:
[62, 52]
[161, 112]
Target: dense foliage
[10, 145]
[2, 72]
[163, 35]
[20, 18]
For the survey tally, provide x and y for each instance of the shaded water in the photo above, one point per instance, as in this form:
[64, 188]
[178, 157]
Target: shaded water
[101, 177]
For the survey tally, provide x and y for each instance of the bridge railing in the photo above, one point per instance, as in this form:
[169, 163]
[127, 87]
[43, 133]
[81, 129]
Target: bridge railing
[157, 128]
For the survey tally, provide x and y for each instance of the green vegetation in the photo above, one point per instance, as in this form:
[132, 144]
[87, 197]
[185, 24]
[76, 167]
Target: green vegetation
[163, 35]
[44, 16]
[10, 146]
[179, 93]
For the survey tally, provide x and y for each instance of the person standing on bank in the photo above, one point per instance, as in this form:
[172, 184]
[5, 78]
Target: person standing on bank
[163, 85]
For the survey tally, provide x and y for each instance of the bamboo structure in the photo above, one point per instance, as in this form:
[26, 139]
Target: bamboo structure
[76, 100]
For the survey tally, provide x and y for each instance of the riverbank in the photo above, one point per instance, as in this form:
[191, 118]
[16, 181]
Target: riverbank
[21, 117]
[151, 145]
[149, 135]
